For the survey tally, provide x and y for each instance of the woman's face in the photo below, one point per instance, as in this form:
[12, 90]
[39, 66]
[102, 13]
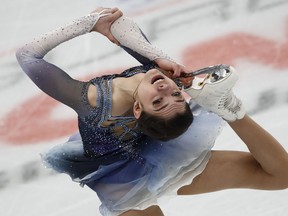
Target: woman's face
[158, 95]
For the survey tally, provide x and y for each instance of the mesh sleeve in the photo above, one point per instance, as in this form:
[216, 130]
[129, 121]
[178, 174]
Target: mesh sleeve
[48, 77]
[127, 32]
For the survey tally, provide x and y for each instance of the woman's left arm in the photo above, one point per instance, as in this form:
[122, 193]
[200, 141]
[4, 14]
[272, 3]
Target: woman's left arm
[134, 41]
[48, 77]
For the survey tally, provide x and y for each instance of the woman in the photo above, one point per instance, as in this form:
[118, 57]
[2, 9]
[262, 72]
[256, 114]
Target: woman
[125, 162]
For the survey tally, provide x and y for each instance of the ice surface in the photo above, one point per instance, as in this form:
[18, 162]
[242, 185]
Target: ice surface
[251, 35]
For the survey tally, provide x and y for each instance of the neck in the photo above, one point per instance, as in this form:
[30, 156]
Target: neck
[123, 92]
[131, 84]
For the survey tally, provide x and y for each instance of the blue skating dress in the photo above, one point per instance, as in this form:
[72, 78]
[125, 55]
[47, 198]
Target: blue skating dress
[127, 170]
[133, 173]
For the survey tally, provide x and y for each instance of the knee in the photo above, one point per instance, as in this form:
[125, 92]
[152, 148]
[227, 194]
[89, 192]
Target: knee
[282, 184]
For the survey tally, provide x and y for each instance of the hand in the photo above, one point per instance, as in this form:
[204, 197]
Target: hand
[172, 69]
[170, 66]
[104, 23]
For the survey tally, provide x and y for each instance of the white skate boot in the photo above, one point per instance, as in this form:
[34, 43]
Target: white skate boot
[214, 92]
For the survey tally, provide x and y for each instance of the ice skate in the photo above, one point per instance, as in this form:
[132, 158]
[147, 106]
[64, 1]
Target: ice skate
[214, 92]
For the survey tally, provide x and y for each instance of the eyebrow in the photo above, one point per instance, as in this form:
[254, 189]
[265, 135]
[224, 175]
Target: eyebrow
[167, 105]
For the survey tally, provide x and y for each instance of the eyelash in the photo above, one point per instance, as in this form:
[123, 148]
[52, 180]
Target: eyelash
[174, 94]
[157, 101]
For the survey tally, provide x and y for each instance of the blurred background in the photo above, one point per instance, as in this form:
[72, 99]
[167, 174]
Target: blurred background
[251, 35]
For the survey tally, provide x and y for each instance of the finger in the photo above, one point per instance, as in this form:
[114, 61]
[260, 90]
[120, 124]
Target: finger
[177, 71]
[115, 15]
[105, 11]
[115, 9]
[186, 81]
[109, 11]
[187, 74]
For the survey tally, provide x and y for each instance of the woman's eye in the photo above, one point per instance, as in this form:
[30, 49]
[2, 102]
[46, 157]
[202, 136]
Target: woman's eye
[176, 94]
[155, 102]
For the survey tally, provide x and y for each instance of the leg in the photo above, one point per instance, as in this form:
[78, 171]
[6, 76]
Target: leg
[265, 167]
[151, 211]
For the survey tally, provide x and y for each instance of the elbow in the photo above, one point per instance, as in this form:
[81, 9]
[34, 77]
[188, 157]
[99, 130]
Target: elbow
[285, 172]
[282, 184]
[26, 55]
[21, 55]
[285, 176]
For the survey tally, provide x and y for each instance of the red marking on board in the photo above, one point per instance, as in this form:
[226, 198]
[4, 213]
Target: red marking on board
[22, 125]
[235, 46]
[33, 121]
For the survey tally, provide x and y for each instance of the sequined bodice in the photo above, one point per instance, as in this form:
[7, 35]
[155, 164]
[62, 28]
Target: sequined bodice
[58, 84]
[99, 140]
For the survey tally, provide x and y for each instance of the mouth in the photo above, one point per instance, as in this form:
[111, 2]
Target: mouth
[156, 79]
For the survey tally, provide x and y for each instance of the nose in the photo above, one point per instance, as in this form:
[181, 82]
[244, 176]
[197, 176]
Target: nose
[162, 87]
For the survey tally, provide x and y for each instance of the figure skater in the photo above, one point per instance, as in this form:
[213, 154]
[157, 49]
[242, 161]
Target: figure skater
[130, 161]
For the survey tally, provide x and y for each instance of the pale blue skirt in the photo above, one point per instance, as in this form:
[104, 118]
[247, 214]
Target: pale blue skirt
[127, 184]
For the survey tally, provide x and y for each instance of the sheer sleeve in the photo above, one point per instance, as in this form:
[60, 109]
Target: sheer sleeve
[132, 39]
[48, 77]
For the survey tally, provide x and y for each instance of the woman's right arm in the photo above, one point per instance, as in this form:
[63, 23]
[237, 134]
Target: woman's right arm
[48, 77]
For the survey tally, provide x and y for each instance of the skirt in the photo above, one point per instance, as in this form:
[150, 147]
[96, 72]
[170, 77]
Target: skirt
[128, 184]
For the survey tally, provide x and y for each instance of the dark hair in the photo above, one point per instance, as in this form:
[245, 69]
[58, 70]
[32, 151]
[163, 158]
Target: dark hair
[165, 129]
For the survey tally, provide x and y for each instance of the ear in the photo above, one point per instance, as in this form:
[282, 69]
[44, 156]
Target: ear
[137, 109]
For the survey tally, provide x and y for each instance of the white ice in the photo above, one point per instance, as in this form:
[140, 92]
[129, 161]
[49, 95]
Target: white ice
[172, 25]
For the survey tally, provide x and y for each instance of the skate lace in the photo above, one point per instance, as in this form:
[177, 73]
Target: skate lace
[229, 102]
